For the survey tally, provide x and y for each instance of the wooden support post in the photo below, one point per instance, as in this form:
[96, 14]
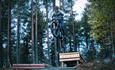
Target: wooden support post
[56, 54]
[62, 64]
[77, 62]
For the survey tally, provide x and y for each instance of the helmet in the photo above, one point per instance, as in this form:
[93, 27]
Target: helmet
[56, 8]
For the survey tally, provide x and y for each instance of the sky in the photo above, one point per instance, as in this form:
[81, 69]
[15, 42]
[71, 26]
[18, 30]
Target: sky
[78, 7]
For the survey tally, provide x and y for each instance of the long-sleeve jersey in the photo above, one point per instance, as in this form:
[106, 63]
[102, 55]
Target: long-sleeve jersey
[58, 16]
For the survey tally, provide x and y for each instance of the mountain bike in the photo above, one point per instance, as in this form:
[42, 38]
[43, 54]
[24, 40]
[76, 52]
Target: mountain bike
[56, 29]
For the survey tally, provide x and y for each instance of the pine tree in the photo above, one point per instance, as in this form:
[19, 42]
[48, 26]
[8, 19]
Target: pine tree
[1, 48]
[100, 19]
[9, 36]
[18, 32]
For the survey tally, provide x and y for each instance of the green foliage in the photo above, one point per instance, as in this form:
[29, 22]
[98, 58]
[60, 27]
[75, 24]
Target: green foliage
[91, 54]
[101, 15]
[25, 29]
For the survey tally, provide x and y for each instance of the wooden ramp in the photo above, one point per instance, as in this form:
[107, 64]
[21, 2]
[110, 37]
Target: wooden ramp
[28, 66]
[70, 59]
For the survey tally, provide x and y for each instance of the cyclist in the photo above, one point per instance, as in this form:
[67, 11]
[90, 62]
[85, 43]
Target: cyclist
[58, 15]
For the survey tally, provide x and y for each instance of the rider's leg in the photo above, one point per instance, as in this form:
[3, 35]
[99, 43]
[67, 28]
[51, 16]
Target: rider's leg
[62, 26]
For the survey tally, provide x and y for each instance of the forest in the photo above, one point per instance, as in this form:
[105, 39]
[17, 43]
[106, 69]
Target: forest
[26, 37]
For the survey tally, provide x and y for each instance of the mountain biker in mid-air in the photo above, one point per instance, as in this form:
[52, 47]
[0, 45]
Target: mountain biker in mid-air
[58, 25]
[57, 19]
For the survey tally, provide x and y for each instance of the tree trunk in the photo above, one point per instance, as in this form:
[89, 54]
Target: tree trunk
[40, 48]
[1, 48]
[32, 34]
[0, 20]
[36, 37]
[113, 39]
[46, 6]
[18, 34]
[9, 35]
[53, 3]
[86, 41]
[0, 24]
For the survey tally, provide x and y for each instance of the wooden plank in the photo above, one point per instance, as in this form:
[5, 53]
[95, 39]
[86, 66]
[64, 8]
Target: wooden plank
[69, 56]
[28, 66]
[74, 59]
